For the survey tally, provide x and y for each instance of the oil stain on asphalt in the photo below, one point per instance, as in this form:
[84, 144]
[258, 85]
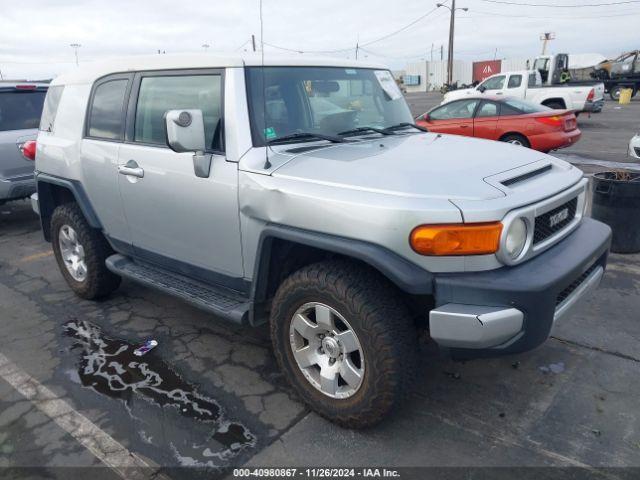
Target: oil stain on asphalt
[108, 366]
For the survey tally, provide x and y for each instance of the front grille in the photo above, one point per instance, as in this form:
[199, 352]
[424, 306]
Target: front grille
[554, 220]
[564, 294]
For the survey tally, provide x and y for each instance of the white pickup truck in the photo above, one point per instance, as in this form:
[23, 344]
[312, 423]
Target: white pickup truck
[527, 84]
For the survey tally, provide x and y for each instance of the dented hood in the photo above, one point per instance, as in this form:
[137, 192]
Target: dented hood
[412, 165]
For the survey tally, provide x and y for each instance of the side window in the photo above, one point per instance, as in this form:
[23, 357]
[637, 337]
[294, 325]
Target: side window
[514, 81]
[532, 80]
[454, 110]
[106, 117]
[507, 110]
[494, 83]
[51, 102]
[488, 109]
[159, 94]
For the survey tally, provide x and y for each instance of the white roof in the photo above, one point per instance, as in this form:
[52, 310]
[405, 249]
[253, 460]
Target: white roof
[90, 71]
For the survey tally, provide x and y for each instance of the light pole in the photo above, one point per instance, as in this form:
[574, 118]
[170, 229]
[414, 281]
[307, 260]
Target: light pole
[453, 9]
[205, 46]
[75, 47]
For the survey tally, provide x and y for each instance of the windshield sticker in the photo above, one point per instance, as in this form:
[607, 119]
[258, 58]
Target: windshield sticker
[388, 84]
[350, 71]
[270, 133]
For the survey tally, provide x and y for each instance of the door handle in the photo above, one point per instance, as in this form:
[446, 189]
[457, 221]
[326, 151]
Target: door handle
[132, 169]
[499, 93]
[464, 126]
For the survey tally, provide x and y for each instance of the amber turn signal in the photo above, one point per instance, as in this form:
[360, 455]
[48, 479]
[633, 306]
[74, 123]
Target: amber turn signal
[456, 239]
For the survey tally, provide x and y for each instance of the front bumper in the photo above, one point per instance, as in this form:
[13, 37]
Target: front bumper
[17, 187]
[594, 107]
[513, 309]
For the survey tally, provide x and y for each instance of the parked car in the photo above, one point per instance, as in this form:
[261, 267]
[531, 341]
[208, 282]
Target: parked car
[504, 119]
[20, 110]
[347, 229]
[634, 146]
[527, 85]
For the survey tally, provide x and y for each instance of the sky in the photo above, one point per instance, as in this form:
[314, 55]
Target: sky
[35, 36]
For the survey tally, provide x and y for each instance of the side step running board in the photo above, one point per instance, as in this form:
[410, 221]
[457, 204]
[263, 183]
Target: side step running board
[220, 301]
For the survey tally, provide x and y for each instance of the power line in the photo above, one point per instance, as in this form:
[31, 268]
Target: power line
[504, 2]
[370, 42]
[546, 17]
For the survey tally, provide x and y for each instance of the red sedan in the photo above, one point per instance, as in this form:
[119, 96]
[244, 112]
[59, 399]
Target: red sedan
[504, 119]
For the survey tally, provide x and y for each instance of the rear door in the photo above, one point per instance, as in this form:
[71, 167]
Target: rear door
[20, 110]
[485, 121]
[454, 118]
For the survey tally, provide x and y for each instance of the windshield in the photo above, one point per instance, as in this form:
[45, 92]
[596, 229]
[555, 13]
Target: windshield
[20, 110]
[541, 64]
[321, 100]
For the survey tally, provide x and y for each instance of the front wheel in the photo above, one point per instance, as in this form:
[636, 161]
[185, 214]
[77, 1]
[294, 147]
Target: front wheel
[81, 252]
[345, 340]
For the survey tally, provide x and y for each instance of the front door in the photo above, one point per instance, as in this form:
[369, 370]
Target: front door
[454, 118]
[176, 219]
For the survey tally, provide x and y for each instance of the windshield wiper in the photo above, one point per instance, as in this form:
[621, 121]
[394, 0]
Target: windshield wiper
[305, 136]
[402, 125]
[356, 131]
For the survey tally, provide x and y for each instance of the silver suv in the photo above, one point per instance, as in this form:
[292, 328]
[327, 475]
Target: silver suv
[20, 109]
[300, 193]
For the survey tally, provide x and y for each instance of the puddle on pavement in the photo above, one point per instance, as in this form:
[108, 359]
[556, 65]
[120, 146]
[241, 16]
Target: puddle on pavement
[109, 367]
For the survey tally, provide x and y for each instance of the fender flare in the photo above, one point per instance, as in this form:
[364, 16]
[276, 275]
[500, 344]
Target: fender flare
[47, 201]
[407, 276]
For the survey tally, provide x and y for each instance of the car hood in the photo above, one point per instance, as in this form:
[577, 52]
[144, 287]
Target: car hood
[412, 165]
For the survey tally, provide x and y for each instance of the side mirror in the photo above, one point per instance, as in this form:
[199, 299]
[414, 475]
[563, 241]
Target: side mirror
[481, 88]
[185, 133]
[426, 117]
[185, 130]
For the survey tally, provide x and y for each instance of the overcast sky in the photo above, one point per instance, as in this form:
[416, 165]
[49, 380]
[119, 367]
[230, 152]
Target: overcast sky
[35, 35]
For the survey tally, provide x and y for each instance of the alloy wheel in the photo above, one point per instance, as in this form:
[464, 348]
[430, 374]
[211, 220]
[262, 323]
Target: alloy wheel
[72, 253]
[327, 350]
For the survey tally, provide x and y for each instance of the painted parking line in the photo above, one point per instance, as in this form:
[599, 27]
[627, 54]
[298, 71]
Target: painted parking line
[36, 256]
[108, 450]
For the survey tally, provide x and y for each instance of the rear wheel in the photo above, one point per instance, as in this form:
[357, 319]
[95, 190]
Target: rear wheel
[614, 92]
[81, 251]
[345, 340]
[516, 139]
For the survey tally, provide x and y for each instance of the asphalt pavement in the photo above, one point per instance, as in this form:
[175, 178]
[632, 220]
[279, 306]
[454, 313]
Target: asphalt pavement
[74, 398]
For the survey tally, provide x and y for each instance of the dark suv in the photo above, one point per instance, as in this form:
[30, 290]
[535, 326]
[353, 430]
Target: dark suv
[20, 109]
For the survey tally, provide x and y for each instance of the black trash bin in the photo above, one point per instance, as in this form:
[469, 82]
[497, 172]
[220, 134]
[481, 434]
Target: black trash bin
[616, 202]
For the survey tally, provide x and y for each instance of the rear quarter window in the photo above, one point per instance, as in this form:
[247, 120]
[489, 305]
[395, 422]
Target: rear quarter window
[51, 103]
[106, 114]
[20, 110]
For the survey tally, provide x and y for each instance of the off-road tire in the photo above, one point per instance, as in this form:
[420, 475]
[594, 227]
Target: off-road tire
[99, 281]
[379, 318]
[514, 137]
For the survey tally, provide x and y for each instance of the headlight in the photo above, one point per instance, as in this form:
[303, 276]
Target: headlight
[516, 238]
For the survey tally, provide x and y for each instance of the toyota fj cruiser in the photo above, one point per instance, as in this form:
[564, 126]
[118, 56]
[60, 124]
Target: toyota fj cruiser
[299, 192]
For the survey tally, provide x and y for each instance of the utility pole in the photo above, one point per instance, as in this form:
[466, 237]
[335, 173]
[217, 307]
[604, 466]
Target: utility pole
[253, 42]
[495, 54]
[432, 52]
[546, 37]
[75, 47]
[205, 46]
[357, 46]
[452, 23]
[441, 52]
